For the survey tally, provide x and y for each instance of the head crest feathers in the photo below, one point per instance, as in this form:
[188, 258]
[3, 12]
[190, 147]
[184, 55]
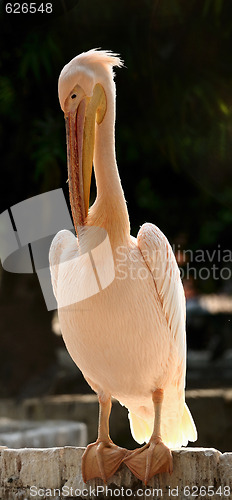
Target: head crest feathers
[98, 56]
[88, 59]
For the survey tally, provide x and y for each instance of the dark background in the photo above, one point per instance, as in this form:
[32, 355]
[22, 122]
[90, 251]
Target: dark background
[173, 140]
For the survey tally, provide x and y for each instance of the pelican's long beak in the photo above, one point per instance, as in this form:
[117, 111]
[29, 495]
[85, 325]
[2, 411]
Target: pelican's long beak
[80, 136]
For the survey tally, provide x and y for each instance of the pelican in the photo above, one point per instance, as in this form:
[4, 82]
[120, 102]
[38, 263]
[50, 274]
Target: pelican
[128, 338]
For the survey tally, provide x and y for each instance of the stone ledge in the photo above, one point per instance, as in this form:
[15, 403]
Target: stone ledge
[41, 473]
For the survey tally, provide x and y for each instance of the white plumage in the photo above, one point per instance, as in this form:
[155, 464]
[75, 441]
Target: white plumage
[128, 339]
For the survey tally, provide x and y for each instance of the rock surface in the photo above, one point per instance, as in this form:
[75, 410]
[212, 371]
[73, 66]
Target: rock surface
[44, 434]
[56, 472]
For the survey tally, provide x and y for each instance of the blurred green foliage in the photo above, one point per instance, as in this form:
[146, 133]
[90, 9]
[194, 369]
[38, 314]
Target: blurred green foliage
[174, 107]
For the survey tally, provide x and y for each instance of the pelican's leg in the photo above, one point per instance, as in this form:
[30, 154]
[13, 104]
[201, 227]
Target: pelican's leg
[154, 457]
[102, 458]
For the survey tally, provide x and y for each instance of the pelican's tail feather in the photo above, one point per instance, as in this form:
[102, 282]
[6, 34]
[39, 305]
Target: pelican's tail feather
[179, 433]
[189, 430]
[176, 432]
[140, 429]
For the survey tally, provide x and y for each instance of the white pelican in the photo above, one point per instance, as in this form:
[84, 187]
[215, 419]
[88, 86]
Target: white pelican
[129, 339]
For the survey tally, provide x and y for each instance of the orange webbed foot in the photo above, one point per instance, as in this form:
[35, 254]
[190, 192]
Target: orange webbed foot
[153, 458]
[101, 459]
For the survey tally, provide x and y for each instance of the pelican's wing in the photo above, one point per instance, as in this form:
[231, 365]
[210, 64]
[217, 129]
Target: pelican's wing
[162, 264]
[161, 261]
[60, 243]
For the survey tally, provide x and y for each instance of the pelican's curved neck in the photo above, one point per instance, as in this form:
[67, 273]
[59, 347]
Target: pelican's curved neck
[110, 205]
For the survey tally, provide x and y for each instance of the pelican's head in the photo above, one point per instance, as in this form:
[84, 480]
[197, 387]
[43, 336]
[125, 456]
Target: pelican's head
[83, 89]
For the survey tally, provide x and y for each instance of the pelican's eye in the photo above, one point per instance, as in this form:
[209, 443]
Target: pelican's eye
[73, 96]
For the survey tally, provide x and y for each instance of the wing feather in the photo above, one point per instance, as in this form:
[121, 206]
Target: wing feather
[60, 242]
[161, 261]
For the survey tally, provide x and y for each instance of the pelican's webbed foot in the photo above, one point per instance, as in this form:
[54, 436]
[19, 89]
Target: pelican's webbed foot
[153, 458]
[101, 459]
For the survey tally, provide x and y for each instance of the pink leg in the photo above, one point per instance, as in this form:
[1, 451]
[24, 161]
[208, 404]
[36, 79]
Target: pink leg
[102, 458]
